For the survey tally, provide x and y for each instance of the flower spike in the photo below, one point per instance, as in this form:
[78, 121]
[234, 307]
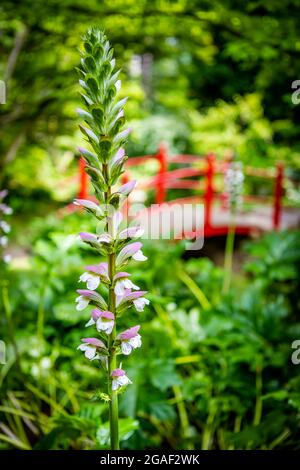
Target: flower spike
[102, 115]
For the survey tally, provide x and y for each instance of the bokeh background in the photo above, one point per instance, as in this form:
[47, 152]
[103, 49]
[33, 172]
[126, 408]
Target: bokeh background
[215, 371]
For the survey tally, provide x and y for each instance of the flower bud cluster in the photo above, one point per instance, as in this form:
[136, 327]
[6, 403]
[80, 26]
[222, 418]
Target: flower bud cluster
[234, 179]
[5, 228]
[108, 287]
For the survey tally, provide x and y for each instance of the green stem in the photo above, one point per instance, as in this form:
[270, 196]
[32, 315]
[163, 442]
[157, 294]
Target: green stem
[183, 416]
[112, 359]
[10, 327]
[258, 402]
[229, 255]
[112, 364]
[236, 428]
[209, 429]
[194, 288]
[41, 312]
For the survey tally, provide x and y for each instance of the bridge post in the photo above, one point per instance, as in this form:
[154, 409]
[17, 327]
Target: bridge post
[209, 191]
[278, 194]
[163, 165]
[83, 180]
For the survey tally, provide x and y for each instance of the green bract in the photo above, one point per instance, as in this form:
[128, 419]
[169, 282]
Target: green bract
[103, 111]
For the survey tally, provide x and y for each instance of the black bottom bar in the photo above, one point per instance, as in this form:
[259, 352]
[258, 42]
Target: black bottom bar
[88, 460]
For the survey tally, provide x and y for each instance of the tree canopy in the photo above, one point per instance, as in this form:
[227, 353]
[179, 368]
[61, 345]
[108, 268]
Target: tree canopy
[202, 75]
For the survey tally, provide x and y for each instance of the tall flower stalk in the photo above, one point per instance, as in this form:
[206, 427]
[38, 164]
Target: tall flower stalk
[234, 179]
[109, 288]
[5, 211]
[5, 259]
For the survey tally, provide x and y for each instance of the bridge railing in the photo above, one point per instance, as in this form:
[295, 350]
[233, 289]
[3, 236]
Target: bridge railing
[199, 174]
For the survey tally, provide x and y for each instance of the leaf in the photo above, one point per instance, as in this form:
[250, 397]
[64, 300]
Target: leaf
[162, 411]
[66, 313]
[279, 395]
[97, 51]
[15, 442]
[92, 85]
[163, 374]
[127, 426]
[194, 288]
[89, 64]
[105, 146]
[98, 114]
[90, 157]
[85, 115]
[119, 105]
[88, 47]
[89, 133]
[294, 401]
[87, 101]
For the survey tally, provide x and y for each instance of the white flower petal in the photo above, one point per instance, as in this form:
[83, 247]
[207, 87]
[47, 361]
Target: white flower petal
[118, 85]
[84, 277]
[126, 348]
[102, 359]
[90, 322]
[3, 241]
[140, 303]
[7, 258]
[90, 352]
[109, 327]
[124, 380]
[114, 384]
[104, 238]
[136, 341]
[116, 220]
[93, 282]
[139, 256]
[128, 284]
[5, 226]
[104, 325]
[119, 288]
[82, 303]
[140, 232]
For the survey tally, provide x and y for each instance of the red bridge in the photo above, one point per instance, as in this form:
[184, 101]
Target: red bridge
[203, 178]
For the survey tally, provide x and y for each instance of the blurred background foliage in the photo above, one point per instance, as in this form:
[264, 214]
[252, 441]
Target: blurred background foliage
[201, 75]
[215, 370]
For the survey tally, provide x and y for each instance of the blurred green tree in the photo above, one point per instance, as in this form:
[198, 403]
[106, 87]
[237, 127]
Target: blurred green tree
[182, 57]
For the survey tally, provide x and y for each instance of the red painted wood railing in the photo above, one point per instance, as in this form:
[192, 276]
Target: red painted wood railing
[199, 176]
[83, 180]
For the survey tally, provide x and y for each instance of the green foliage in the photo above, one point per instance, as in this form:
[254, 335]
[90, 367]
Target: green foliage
[217, 370]
[127, 427]
[207, 76]
[213, 376]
